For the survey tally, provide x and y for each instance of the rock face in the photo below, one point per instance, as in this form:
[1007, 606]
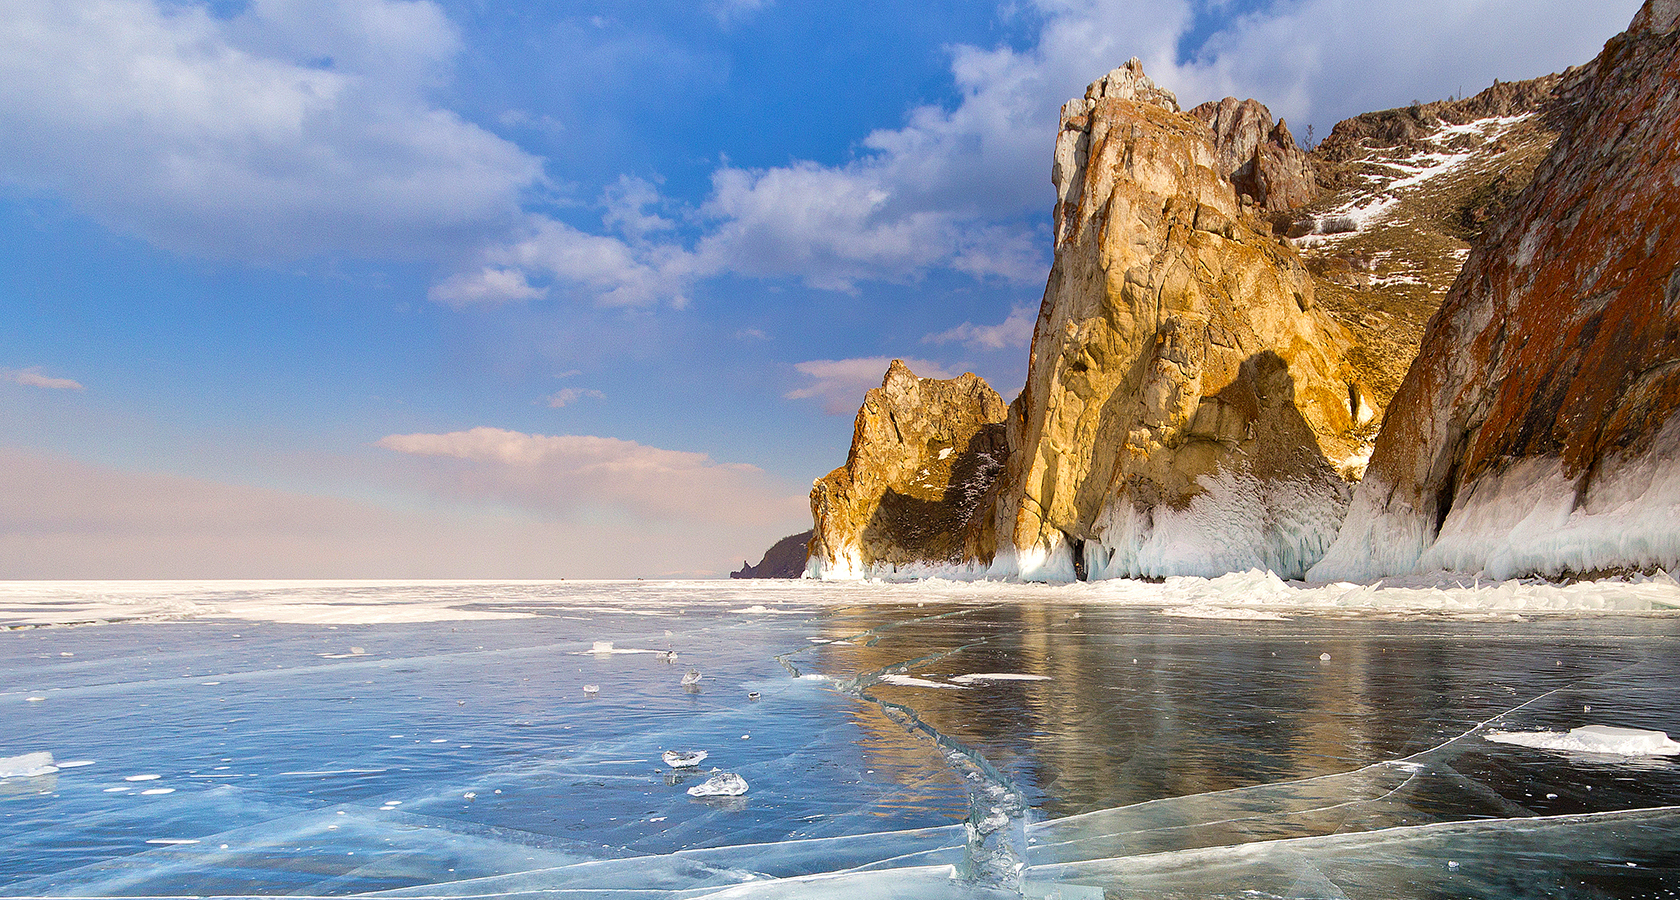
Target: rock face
[1535, 431]
[1259, 158]
[785, 559]
[925, 454]
[1183, 390]
[1402, 194]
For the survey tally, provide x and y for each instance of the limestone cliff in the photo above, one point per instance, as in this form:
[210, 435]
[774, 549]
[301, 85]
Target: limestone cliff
[925, 453]
[1183, 391]
[1259, 157]
[1535, 431]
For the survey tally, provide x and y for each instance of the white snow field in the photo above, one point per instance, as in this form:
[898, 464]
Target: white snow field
[1239, 736]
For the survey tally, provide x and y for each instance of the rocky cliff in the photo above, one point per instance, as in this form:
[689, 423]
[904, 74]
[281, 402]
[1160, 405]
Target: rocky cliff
[925, 454]
[1259, 157]
[785, 559]
[1535, 431]
[1402, 193]
[1184, 395]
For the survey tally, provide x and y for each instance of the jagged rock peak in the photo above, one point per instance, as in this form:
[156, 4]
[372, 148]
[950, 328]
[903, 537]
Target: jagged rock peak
[1260, 157]
[1129, 83]
[924, 455]
[1657, 17]
[1184, 395]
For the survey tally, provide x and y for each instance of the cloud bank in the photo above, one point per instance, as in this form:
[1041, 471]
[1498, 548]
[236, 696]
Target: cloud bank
[65, 519]
[599, 478]
[297, 128]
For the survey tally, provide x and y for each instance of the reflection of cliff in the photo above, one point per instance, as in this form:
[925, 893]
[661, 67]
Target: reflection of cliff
[1202, 709]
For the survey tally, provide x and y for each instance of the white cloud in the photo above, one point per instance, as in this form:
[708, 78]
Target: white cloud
[569, 475]
[729, 12]
[1013, 332]
[294, 128]
[627, 201]
[568, 396]
[491, 284]
[840, 383]
[606, 270]
[303, 127]
[1325, 60]
[33, 377]
[66, 519]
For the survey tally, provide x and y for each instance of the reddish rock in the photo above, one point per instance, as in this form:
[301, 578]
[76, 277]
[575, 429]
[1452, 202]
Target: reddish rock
[1535, 432]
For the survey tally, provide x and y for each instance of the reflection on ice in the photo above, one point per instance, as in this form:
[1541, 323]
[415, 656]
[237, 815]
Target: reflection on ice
[425, 740]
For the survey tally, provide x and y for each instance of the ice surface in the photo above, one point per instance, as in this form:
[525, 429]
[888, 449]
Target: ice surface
[723, 784]
[1100, 745]
[1606, 739]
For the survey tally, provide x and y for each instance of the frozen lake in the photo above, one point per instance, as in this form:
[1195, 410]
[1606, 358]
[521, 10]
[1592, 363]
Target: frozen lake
[1229, 738]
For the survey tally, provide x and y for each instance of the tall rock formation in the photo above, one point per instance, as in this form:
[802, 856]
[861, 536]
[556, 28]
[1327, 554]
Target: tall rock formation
[925, 454]
[1183, 393]
[1259, 157]
[1535, 431]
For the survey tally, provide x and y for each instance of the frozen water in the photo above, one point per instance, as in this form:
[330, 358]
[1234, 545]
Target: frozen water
[1093, 744]
[723, 784]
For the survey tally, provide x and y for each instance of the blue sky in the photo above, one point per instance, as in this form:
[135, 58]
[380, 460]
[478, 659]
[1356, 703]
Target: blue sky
[381, 288]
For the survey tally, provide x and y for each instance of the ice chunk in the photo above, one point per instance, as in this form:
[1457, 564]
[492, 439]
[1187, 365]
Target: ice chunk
[723, 784]
[677, 760]
[592, 689]
[1606, 739]
[693, 677]
[28, 765]
[602, 647]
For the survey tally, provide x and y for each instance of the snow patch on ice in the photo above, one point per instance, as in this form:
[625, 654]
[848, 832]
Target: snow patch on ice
[997, 676]
[1605, 739]
[28, 765]
[912, 681]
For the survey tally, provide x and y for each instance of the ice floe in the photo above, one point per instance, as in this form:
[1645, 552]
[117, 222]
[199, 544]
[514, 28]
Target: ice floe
[1610, 740]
